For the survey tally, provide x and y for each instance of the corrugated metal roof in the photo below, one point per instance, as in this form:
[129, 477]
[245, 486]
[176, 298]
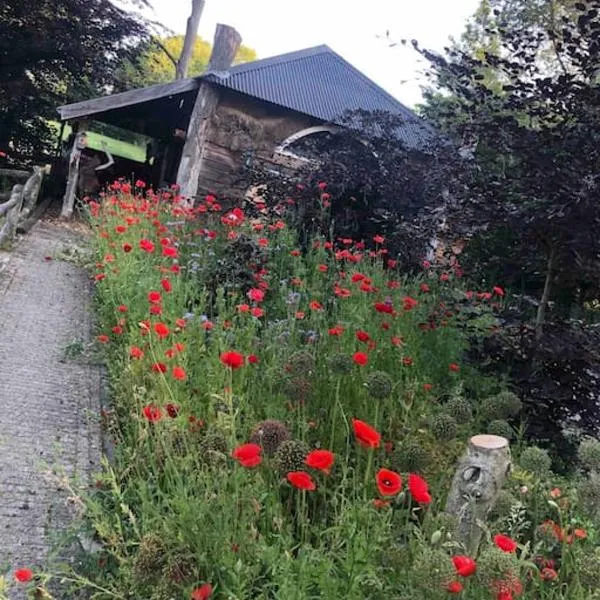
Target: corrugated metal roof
[320, 83]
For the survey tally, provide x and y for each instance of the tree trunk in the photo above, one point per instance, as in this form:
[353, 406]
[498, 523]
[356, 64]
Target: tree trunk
[225, 46]
[541, 312]
[476, 485]
[191, 33]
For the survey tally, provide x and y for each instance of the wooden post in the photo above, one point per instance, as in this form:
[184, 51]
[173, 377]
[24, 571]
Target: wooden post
[478, 481]
[73, 178]
[191, 32]
[31, 191]
[11, 209]
[225, 46]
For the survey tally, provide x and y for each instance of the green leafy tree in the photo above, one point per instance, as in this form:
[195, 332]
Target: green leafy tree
[53, 52]
[157, 60]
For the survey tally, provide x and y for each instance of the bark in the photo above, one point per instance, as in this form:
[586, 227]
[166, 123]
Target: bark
[541, 312]
[478, 481]
[191, 33]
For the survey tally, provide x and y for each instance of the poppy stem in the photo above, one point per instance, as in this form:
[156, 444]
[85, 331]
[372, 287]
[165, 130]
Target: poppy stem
[370, 459]
[335, 413]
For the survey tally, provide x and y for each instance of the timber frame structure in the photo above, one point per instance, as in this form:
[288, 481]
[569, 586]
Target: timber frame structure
[205, 129]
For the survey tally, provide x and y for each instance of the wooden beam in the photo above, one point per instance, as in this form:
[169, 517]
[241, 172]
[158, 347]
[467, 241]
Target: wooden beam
[226, 44]
[124, 99]
[11, 209]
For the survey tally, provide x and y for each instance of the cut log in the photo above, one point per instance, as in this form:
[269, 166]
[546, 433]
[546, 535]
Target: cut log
[11, 210]
[225, 46]
[478, 481]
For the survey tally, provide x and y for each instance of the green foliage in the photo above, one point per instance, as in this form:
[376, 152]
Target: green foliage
[536, 461]
[59, 53]
[589, 454]
[155, 62]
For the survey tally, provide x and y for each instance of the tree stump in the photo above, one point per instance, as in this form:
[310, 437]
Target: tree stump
[478, 481]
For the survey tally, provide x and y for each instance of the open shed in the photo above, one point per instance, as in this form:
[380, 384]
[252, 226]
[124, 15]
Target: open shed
[204, 129]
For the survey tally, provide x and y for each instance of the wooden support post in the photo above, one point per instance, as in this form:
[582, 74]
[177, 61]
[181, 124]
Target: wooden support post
[79, 145]
[11, 209]
[478, 481]
[225, 46]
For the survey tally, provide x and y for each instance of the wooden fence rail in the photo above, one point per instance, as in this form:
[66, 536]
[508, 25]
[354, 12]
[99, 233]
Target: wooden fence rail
[22, 199]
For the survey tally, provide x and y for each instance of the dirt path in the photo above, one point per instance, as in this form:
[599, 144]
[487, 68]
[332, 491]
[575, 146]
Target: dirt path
[49, 404]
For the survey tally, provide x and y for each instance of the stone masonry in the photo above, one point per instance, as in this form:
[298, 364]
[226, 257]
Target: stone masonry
[49, 404]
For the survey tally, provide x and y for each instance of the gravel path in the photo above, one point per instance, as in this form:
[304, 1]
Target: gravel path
[48, 403]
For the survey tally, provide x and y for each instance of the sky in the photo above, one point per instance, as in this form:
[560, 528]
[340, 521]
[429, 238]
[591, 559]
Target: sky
[355, 30]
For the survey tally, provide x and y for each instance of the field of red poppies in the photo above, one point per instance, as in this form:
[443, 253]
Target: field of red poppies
[286, 422]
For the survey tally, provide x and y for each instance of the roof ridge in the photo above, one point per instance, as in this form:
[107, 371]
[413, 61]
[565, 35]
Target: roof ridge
[286, 57]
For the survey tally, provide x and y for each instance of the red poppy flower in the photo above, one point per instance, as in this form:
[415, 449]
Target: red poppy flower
[580, 533]
[172, 410]
[146, 245]
[454, 367]
[455, 587]
[302, 480]
[253, 359]
[389, 483]
[159, 367]
[315, 305]
[161, 330]
[418, 489]
[427, 387]
[323, 268]
[248, 455]
[548, 574]
[152, 412]
[498, 290]
[409, 303]
[154, 297]
[166, 285]
[362, 336]
[103, 339]
[360, 358]
[365, 435]
[23, 575]
[378, 239]
[424, 287]
[257, 312]
[464, 565]
[122, 308]
[505, 543]
[384, 307]
[321, 460]
[169, 251]
[179, 373]
[232, 359]
[256, 295]
[136, 352]
[204, 592]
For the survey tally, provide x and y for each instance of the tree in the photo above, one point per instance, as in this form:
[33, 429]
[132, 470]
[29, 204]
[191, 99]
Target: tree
[529, 199]
[191, 32]
[156, 62]
[53, 52]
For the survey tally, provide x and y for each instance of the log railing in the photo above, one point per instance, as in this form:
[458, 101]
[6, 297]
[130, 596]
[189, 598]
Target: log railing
[17, 205]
